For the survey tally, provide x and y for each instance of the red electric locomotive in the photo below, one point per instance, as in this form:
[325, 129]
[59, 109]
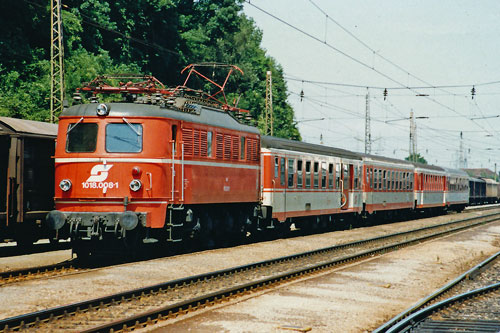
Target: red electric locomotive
[164, 168]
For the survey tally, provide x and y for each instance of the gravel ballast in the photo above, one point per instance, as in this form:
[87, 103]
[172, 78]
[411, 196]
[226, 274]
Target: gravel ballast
[39, 294]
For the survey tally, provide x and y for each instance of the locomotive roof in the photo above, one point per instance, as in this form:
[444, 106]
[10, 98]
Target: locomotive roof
[279, 143]
[203, 115]
[27, 127]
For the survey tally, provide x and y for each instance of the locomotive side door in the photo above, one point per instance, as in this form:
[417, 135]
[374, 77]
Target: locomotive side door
[345, 182]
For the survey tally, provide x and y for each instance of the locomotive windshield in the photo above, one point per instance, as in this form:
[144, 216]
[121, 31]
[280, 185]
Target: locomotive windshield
[81, 138]
[124, 138]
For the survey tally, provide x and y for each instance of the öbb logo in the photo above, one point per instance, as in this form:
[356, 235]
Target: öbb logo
[99, 173]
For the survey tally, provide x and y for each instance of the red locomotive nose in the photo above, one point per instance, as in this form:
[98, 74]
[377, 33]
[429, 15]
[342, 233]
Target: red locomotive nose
[136, 171]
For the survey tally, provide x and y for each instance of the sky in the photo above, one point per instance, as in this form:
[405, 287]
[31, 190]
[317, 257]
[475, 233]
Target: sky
[429, 55]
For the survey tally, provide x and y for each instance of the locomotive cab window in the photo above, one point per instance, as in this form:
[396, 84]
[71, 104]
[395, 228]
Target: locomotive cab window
[81, 138]
[124, 138]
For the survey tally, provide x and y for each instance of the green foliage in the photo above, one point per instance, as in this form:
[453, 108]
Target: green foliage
[158, 37]
[416, 158]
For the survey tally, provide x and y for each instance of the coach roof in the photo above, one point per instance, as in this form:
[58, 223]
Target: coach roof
[204, 115]
[27, 127]
[278, 143]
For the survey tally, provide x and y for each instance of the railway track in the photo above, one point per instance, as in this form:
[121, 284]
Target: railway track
[72, 266]
[32, 273]
[467, 304]
[162, 301]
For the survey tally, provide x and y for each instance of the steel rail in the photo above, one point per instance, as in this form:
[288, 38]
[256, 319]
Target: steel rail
[412, 320]
[27, 320]
[18, 274]
[420, 305]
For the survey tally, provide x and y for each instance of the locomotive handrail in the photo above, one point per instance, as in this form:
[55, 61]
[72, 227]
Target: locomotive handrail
[182, 171]
[173, 168]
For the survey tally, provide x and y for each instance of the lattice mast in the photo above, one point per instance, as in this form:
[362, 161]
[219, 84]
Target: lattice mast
[368, 135]
[462, 158]
[413, 137]
[56, 60]
[269, 104]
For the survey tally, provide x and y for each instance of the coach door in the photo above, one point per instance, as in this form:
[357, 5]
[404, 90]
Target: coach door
[345, 181]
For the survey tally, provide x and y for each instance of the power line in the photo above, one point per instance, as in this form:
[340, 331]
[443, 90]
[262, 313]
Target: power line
[364, 86]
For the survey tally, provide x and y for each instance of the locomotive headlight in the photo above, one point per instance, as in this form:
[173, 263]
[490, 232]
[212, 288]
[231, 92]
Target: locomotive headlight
[65, 185]
[135, 185]
[102, 110]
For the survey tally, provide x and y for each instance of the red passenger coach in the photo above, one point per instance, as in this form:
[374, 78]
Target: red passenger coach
[147, 172]
[430, 183]
[388, 184]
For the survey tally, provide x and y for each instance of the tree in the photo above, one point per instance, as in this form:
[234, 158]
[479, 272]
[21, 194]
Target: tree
[416, 158]
[156, 37]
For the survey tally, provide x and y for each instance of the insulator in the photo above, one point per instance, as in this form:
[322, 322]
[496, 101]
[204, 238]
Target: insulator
[473, 92]
[301, 94]
[385, 94]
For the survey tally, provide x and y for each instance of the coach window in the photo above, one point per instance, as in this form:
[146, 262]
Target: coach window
[375, 179]
[356, 181]
[330, 175]
[276, 167]
[389, 182]
[370, 175]
[291, 173]
[323, 175]
[299, 174]
[370, 178]
[282, 170]
[337, 175]
[308, 174]
[209, 144]
[81, 138]
[123, 137]
[393, 180]
[316, 174]
[384, 180]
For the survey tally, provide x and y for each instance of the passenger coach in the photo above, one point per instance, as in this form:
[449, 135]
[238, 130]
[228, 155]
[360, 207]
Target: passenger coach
[307, 183]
